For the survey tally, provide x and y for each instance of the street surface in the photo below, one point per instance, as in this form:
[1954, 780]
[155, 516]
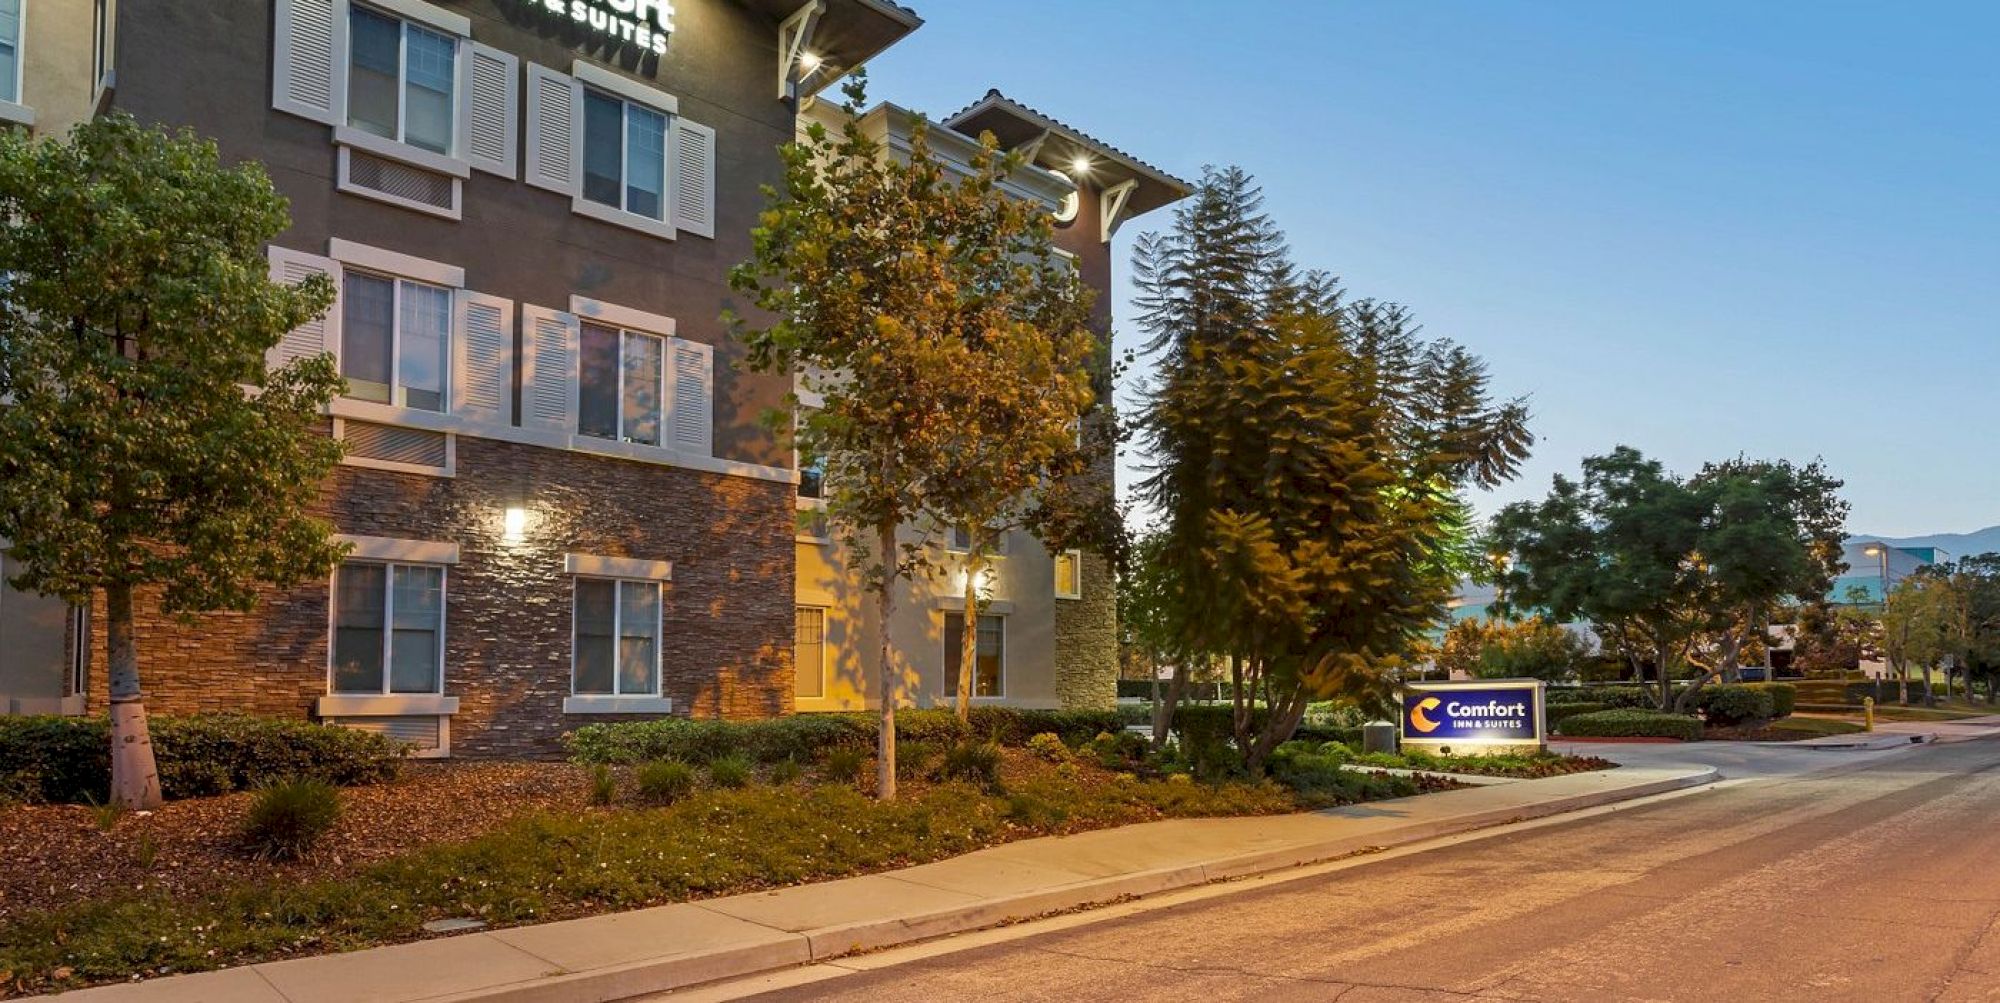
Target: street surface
[1875, 880]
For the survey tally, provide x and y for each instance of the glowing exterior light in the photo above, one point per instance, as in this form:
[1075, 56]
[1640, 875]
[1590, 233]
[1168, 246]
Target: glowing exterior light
[514, 525]
[1080, 166]
[810, 61]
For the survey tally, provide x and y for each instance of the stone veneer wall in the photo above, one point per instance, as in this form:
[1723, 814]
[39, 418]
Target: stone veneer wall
[1087, 641]
[727, 650]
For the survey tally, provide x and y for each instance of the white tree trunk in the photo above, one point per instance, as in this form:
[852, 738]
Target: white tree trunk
[885, 741]
[135, 779]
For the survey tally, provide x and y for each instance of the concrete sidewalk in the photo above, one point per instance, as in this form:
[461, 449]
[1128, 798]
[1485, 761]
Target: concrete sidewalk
[628, 954]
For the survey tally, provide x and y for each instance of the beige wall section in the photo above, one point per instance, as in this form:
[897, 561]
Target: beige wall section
[1022, 589]
[57, 55]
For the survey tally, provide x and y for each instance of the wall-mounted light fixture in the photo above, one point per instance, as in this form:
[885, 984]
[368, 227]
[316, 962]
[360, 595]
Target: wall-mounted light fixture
[809, 62]
[514, 525]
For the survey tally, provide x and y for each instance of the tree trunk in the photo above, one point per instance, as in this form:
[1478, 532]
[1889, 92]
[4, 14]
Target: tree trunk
[1666, 685]
[885, 741]
[1163, 715]
[1902, 683]
[135, 780]
[968, 648]
[1279, 726]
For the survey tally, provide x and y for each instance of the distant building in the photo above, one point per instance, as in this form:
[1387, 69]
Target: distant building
[1873, 568]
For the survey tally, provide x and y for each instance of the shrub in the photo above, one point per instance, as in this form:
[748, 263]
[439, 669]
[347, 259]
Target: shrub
[288, 817]
[914, 759]
[798, 737]
[665, 781]
[1627, 722]
[973, 762]
[731, 771]
[1784, 697]
[603, 786]
[843, 765]
[1734, 704]
[786, 771]
[1328, 733]
[1014, 726]
[66, 759]
[1560, 712]
[1050, 747]
[1612, 697]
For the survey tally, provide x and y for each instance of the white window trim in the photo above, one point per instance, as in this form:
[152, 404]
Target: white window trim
[386, 698]
[593, 75]
[450, 468]
[624, 568]
[661, 390]
[588, 76]
[1076, 557]
[376, 259]
[620, 703]
[998, 552]
[343, 182]
[396, 342]
[415, 156]
[395, 550]
[951, 682]
[613, 315]
[431, 16]
[17, 110]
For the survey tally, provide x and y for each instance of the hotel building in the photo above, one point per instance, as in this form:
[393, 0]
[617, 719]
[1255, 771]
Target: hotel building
[562, 502]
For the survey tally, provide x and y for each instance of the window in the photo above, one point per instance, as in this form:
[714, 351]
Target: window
[388, 628]
[400, 80]
[960, 542]
[394, 337]
[10, 51]
[989, 658]
[622, 384]
[809, 650]
[1069, 574]
[617, 642]
[624, 155]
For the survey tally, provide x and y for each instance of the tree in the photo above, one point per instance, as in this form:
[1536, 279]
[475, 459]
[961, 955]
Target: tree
[1309, 451]
[1537, 648]
[138, 309]
[1923, 625]
[894, 285]
[1672, 572]
[1463, 644]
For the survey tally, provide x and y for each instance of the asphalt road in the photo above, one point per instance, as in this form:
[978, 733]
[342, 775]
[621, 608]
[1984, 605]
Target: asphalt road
[1876, 881]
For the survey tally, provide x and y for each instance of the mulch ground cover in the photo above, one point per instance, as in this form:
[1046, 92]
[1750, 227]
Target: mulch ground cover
[58, 854]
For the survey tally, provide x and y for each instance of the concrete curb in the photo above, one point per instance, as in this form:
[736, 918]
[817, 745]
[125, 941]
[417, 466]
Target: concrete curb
[539, 971]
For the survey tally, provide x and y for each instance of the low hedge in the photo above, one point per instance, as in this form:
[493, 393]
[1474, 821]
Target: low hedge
[1729, 704]
[804, 737]
[67, 759]
[1626, 722]
[1560, 712]
[1784, 697]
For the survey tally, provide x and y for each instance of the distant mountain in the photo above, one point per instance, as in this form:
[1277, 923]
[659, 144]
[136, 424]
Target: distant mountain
[1985, 541]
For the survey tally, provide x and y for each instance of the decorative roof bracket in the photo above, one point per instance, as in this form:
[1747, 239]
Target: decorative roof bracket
[1111, 205]
[794, 43]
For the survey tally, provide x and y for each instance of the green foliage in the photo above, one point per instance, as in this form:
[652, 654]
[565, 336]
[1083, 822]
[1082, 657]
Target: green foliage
[68, 759]
[972, 762]
[786, 771]
[289, 817]
[664, 781]
[1049, 746]
[1729, 705]
[731, 771]
[843, 765]
[1784, 697]
[603, 786]
[1632, 723]
[1560, 712]
[806, 737]
[1309, 453]
[1672, 570]
[914, 759]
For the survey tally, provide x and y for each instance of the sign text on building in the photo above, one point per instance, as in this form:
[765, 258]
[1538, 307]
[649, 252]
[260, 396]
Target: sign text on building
[1497, 712]
[644, 23]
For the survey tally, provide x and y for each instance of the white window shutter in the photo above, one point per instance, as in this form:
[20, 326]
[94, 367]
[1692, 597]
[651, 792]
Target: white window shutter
[694, 178]
[554, 130]
[482, 357]
[693, 378]
[490, 80]
[306, 59]
[548, 370]
[314, 337]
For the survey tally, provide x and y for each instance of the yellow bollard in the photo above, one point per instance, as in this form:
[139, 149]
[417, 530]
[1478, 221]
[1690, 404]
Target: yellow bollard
[1868, 713]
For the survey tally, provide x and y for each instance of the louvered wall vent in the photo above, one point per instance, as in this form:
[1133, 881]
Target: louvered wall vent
[401, 182]
[389, 444]
[423, 731]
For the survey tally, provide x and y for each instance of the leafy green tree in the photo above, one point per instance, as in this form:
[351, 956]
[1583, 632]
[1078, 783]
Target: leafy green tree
[1537, 648]
[1672, 572]
[898, 287]
[1307, 450]
[146, 446]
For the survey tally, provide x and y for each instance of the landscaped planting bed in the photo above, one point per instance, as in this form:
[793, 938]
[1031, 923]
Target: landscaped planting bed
[91, 896]
[1523, 765]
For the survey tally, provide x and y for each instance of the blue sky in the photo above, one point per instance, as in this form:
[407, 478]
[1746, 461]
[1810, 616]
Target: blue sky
[1698, 228]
